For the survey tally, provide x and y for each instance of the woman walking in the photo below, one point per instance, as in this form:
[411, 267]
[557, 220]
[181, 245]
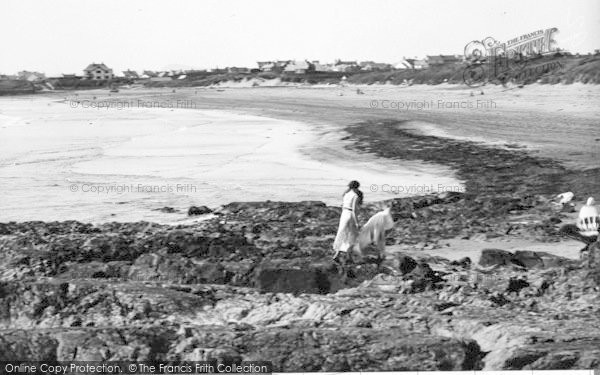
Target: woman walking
[347, 234]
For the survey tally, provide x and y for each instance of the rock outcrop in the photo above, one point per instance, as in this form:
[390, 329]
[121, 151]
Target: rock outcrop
[256, 282]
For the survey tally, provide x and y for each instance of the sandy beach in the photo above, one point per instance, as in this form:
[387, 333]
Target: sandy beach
[556, 121]
[91, 164]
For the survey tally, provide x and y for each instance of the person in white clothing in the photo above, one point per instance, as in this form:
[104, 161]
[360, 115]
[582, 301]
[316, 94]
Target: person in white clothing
[588, 220]
[347, 234]
[586, 227]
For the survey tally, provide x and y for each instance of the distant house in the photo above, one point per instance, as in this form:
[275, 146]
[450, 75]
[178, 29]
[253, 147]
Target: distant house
[235, 69]
[297, 67]
[416, 64]
[148, 74]
[175, 73]
[373, 66]
[265, 66]
[403, 65]
[318, 67]
[131, 74]
[444, 60]
[345, 66]
[31, 76]
[69, 76]
[98, 72]
[272, 66]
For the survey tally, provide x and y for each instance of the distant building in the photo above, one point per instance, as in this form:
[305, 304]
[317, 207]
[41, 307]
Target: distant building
[444, 60]
[318, 67]
[31, 76]
[402, 65]
[98, 72]
[148, 74]
[345, 66]
[297, 67]
[272, 66]
[415, 64]
[235, 69]
[131, 74]
[175, 73]
[265, 66]
[70, 76]
[373, 66]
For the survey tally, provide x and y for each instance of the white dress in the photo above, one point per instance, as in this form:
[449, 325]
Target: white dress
[347, 234]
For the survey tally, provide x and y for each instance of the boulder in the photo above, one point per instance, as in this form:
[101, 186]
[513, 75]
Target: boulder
[423, 278]
[495, 257]
[516, 284]
[406, 264]
[281, 279]
[462, 262]
[176, 269]
[551, 260]
[528, 259]
[198, 210]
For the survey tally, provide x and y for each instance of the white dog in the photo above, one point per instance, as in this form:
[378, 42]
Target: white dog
[373, 232]
[564, 198]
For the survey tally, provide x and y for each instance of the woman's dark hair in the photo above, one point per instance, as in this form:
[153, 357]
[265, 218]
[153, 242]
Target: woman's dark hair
[354, 185]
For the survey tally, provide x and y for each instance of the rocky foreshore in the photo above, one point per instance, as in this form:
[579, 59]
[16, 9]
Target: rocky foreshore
[255, 281]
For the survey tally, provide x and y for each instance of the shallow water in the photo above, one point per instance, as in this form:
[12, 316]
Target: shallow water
[60, 161]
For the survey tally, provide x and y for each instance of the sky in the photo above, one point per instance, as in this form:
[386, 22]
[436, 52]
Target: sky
[64, 36]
